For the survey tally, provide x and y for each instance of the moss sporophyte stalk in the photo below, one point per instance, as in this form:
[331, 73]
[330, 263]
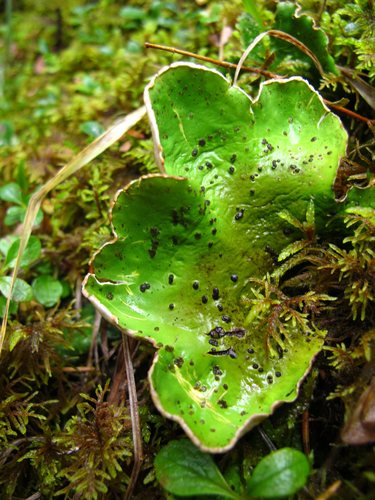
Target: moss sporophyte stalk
[198, 239]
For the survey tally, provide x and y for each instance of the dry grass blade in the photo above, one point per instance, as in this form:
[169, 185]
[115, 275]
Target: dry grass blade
[136, 423]
[224, 64]
[366, 90]
[283, 36]
[85, 156]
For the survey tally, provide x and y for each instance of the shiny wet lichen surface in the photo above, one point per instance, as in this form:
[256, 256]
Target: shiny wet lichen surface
[188, 242]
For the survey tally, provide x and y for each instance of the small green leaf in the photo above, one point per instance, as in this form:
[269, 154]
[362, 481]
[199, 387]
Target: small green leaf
[11, 192]
[31, 254]
[22, 178]
[252, 10]
[22, 291]
[280, 474]
[184, 470]
[93, 129]
[89, 86]
[16, 337]
[285, 214]
[367, 212]
[310, 214]
[14, 215]
[292, 249]
[133, 13]
[66, 289]
[7, 137]
[13, 307]
[6, 243]
[233, 477]
[47, 291]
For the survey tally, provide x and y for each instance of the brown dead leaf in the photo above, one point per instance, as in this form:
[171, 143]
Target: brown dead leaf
[136, 134]
[124, 148]
[39, 65]
[360, 428]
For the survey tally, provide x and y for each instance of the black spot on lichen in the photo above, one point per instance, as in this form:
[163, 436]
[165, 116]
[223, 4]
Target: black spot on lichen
[226, 318]
[196, 285]
[171, 306]
[202, 142]
[194, 152]
[217, 333]
[197, 236]
[204, 299]
[178, 361]
[154, 231]
[234, 278]
[217, 370]
[170, 279]
[215, 293]
[220, 307]
[144, 287]
[169, 348]
[152, 252]
[109, 295]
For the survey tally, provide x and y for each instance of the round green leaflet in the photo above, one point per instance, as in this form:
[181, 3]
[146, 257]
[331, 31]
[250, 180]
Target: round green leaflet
[185, 247]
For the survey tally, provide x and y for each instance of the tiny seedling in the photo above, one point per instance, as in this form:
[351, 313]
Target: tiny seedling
[185, 471]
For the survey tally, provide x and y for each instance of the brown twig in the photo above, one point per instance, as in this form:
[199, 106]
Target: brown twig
[71, 369]
[225, 64]
[350, 113]
[35, 496]
[136, 423]
[94, 345]
[306, 433]
[78, 302]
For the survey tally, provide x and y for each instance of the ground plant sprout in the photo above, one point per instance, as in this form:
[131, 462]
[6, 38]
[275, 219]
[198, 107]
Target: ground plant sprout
[188, 240]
